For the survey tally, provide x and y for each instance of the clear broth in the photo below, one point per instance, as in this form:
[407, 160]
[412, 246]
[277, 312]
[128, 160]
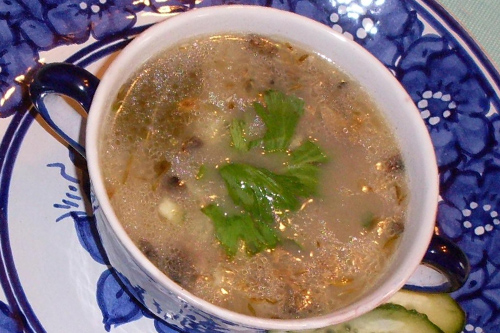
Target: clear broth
[172, 117]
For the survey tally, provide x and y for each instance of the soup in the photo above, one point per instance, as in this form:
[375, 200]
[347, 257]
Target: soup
[256, 175]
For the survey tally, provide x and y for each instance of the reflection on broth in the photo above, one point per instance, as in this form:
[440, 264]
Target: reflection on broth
[268, 213]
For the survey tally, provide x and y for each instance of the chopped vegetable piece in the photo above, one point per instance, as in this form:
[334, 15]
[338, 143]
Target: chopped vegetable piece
[161, 167]
[263, 46]
[342, 84]
[201, 172]
[229, 230]
[441, 308]
[395, 164]
[174, 182]
[238, 135]
[280, 115]
[170, 210]
[368, 220]
[192, 143]
[303, 57]
[387, 318]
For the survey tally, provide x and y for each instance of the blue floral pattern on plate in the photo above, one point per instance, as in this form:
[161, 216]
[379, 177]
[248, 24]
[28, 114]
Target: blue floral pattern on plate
[456, 98]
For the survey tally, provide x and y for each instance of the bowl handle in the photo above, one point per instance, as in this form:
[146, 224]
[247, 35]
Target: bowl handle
[444, 268]
[67, 80]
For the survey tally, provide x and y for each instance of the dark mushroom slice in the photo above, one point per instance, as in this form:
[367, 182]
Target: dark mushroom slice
[342, 84]
[171, 184]
[179, 267]
[249, 85]
[303, 57]
[401, 194]
[295, 301]
[161, 167]
[395, 229]
[191, 144]
[262, 45]
[148, 249]
[174, 182]
[395, 164]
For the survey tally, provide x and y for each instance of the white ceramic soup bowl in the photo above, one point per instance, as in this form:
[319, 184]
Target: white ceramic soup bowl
[146, 282]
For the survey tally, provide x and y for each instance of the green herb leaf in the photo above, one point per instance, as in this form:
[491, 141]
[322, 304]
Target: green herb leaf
[308, 153]
[259, 191]
[229, 230]
[281, 116]
[201, 172]
[304, 166]
[369, 220]
[238, 135]
[262, 194]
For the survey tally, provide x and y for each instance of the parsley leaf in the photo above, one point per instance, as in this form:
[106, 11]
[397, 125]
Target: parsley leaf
[259, 191]
[304, 166]
[257, 235]
[280, 115]
[238, 135]
[307, 153]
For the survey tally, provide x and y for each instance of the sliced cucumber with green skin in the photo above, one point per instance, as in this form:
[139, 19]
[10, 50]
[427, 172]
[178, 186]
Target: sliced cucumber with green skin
[387, 318]
[441, 309]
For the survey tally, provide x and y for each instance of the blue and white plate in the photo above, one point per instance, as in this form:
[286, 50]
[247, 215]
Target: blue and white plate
[52, 272]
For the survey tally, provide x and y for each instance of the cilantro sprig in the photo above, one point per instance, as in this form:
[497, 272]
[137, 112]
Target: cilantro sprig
[260, 193]
[281, 116]
[304, 165]
[256, 234]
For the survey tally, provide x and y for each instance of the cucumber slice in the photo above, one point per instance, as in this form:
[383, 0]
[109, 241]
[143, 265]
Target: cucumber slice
[387, 318]
[441, 309]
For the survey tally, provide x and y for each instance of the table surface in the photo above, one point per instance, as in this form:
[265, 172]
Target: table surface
[480, 19]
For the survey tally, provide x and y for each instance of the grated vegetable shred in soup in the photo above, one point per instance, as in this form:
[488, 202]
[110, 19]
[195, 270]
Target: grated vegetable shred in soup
[256, 175]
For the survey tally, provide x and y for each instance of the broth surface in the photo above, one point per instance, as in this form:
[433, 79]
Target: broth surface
[169, 132]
